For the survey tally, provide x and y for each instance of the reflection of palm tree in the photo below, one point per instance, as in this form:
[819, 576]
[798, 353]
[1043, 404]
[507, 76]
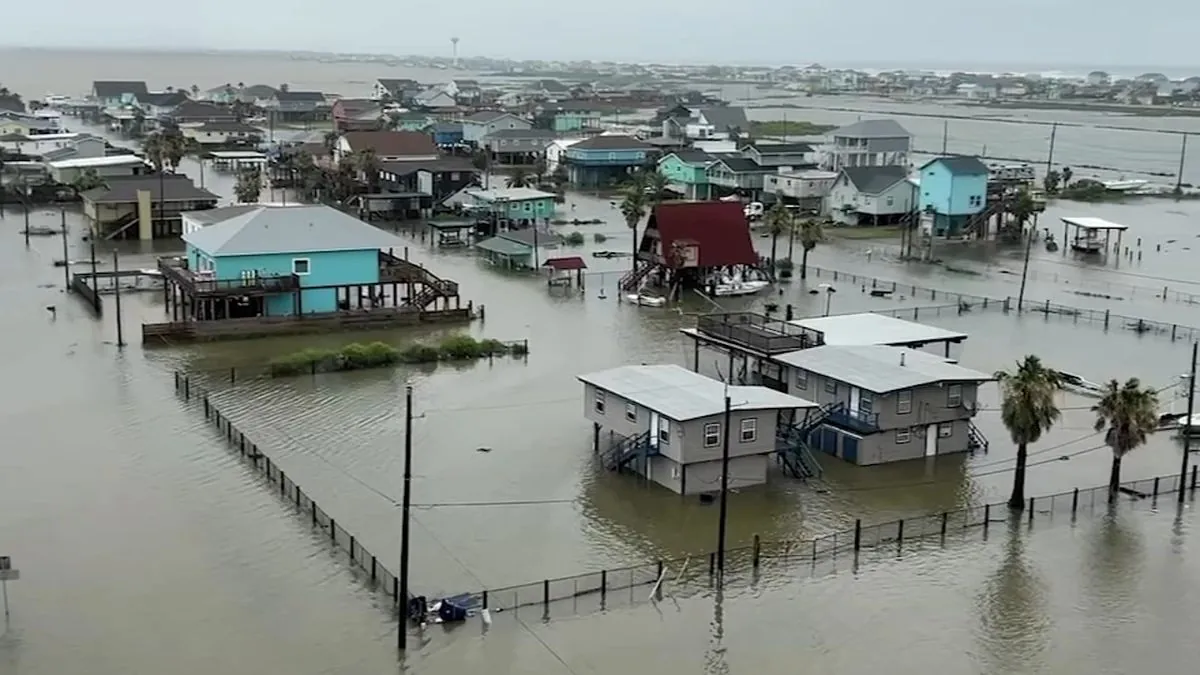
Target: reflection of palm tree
[1112, 575]
[1014, 626]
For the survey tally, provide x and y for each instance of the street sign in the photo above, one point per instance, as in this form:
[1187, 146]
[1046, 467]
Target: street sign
[7, 574]
[10, 575]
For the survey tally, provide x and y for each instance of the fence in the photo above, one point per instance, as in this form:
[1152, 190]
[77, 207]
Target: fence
[361, 560]
[968, 301]
[766, 562]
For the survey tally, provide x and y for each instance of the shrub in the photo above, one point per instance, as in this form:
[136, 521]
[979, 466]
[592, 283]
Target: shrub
[458, 347]
[358, 356]
[599, 238]
[574, 239]
[420, 354]
[518, 348]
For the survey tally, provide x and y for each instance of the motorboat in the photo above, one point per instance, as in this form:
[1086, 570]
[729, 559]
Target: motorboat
[1078, 384]
[736, 287]
[612, 254]
[1051, 245]
[643, 300]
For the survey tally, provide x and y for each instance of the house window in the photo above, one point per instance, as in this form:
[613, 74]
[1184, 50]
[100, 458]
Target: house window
[945, 430]
[954, 396]
[527, 206]
[599, 404]
[976, 200]
[749, 430]
[903, 436]
[830, 386]
[630, 412]
[904, 402]
[865, 402]
[801, 379]
[712, 434]
[301, 266]
[664, 431]
[890, 200]
[453, 175]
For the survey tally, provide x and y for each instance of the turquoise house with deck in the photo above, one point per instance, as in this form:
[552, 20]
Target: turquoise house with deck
[686, 172]
[606, 160]
[953, 189]
[313, 252]
[517, 203]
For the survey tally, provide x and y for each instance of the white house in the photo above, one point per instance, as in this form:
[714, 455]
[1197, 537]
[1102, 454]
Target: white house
[716, 122]
[870, 195]
[114, 166]
[85, 145]
[223, 133]
[435, 97]
[556, 152]
[800, 185]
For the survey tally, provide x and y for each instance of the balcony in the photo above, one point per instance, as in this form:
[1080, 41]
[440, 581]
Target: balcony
[175, 271]
[854, 420]
[758, 332]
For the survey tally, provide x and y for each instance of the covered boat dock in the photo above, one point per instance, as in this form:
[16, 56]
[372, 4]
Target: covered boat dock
[1086, 237]
[236, 160]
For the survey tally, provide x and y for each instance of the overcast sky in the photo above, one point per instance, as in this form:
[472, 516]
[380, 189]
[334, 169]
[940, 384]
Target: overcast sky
[1042, 33]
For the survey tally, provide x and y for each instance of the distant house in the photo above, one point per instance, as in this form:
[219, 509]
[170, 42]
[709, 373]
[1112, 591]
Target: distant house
[388, 146]
[518, 146]
[298, 105]
[255, 94]
[23, 124]
[53, 145]
[523, 248]
[143, 207]
[601, 160]
[734, 174]
[435, 98]
[468, 91]
[318, 250]
[412, 120]
[355, 114]
[570, 116]
[398, 90]
[790, 155]
[870, 143]
[519, 205]
[871, 195]
[439, 178]
[225, 133]
[556, 152]
[686, 172]
[65, 171]
[953, 189]
[807, 188]
[446, 134]
[116, 93]
[485, 122]
[549, 88]
[723, 122]
[199, 112]
[160, 104]
[690, 239]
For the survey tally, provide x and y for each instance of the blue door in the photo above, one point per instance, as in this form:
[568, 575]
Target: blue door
[829, 440]
[850, 449]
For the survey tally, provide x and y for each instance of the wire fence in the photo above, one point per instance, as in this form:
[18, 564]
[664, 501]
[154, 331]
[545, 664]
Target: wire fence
[969, 302]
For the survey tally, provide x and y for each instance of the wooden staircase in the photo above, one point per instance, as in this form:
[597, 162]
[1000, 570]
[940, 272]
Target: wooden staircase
[433, 287]
[792, 442]
[632, 280]
[120, 225]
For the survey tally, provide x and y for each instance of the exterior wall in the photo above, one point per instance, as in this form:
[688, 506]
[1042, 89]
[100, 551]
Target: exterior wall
[678, 171]
[946, 193]
[325, 269]
[691, 447]
[791, 159]
[800, 185]
[513, 145]
[69, 174]
[896, 199]
[524, 208]
[576, 121]
[706, 476]
[930, 404]
[473, 132]
[606, 157]
[219, 137]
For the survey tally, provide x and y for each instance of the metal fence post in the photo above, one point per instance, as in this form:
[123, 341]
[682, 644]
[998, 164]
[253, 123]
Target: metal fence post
[282, 484]
[333, 530]
[546, 596]
[375, 565]
[603, 586]
[987, 517]
[1106, 315]
[232, 375]
[945, 519]
[857, 534]
[352, 542]
[1075, 501]
[312, 509]
[757, 550]
[1194, 467]
[899, 535]
[483, 603]
[1031, 510]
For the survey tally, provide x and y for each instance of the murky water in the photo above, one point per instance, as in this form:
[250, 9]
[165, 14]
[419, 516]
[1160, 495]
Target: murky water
[145, 546]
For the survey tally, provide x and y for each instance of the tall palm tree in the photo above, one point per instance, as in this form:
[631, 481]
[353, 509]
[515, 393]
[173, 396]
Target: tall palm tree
[518, 178]
[540, 170]
[779, 220]
[331, 142]
[634, 204]
[367, 164]
[1028, 411]
[656, 187]
[1127, 414]
[811, 234]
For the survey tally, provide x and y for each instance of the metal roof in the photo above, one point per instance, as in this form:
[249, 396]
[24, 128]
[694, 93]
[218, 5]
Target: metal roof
[873, 129]
[514, 194]
[874, 180]
[869, 328]
[961, 165]
[504, 247]
[271, 229]
[682, 395]
[1090, 223]
[879, 368]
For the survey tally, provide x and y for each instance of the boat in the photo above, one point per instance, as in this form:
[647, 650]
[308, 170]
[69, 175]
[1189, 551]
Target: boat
[1078, 384]
[736, 287]
[612, 254]
[1051, 245]
[643, 300]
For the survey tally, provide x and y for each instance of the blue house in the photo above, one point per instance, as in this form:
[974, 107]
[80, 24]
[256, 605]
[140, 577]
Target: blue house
[313, 256]
[446, 134]
[953, 189]
[520, 204]
[602, 160]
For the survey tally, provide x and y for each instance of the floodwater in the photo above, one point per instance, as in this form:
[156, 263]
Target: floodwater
[145, 546]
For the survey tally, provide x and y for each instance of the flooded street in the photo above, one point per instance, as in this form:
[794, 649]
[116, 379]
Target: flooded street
[145, 546]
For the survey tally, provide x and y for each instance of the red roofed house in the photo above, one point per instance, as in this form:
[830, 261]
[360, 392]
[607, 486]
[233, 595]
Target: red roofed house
[685, 242]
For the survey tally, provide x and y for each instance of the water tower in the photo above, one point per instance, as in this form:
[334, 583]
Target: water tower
[454, 44]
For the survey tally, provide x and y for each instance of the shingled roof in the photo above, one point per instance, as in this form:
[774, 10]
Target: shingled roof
[392, 143]
[718, 230]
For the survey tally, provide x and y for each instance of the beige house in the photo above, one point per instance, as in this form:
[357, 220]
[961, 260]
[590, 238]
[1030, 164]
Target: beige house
[143, 207]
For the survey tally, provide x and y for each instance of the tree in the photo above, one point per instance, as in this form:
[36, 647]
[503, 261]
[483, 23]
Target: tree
[656, 187]
[331, 142]
[248, 186]
[811, 234]
[283, 87]
[137, 128]
[195, 90]
[86, 180]
[1067, 174]
[366, 162]
[634, 204]
[1022, 209]
[1127, 415]
[1028, 410]
[480, 160]
[560, 176]
[1051, 182]
[779, 221]
[539, 170]
[518, 178]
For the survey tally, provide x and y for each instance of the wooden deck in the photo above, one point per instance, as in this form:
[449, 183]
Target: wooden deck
[272, 326]
[175, 271]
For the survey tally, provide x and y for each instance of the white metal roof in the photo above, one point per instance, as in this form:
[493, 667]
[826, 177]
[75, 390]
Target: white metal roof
[94, 162]
[879, 368]
[509, 194]
[238, 154]
[680, 394]
[1089, 223]
[868, 328]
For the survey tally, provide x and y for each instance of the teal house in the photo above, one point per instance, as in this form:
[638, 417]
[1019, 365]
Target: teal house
[953, 190]
[569, 116]
[517, 204]
[606, 160]
[313, 255]
[686, 173]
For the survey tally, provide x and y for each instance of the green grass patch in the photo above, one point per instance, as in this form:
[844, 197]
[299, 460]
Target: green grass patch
[358, 356]
[789, 128]
[882, 232]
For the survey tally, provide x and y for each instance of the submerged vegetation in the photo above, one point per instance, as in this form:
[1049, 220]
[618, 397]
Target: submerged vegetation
[789, 128]
[358, 356]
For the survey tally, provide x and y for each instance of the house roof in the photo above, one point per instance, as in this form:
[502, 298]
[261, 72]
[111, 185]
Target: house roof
[522, 134]
[14, 138]
[873, 129]
[530, 236]
[505, 247]
[879, 368]
[573, 262]
[718, 230]
[355, 106]
[960, 165]
[768, 149]
[300, 96]
[116, 88]
[447, 128]
[873, 180]
[689, 156]
[210, 216]
[868, 328]
[550, 85]
[726, 117]
[267, 230]
[485, 116]
[201, 110]
[392, 143]
[440, 165]
[228, 127]
[162, 99]
[682, 395]
[515, 194]
[124, 189]
[572, 105]
[615, 142]
[739, 164]
[397, 85]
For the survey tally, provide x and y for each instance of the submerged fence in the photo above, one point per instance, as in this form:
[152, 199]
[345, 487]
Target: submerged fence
[365, 563]
[968, 302]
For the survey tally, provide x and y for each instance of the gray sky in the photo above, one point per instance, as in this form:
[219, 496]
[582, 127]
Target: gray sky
[882, 32]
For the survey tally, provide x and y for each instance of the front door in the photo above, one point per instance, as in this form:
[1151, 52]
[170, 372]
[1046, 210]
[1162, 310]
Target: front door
[931, 440]
[850, 449]
[655, 421]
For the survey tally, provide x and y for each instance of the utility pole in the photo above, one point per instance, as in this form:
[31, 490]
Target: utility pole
[945, 135]
[1186, 427]
[1025, 266]
[1050, 156]
[66, 263]
[724, 513]
[95, 279]
[406, 505]
[1182, 159]
[117, 298]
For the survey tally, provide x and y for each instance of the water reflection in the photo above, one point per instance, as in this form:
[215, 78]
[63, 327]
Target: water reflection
[715, 662]
[1014, 622]
[1113, 561]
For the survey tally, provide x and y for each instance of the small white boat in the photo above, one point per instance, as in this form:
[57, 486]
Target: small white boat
[1078, 384]
[645, 300]
[735, 287]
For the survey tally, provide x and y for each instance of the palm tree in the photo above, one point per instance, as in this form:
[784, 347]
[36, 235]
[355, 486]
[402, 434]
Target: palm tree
[518, 178]
[811, 234]
[1067, 174]
[656, 187]
[367, 164]
[539, 170]
[1022, 209]
[634, 204]
[248, 186]
[1127, 414]
[1028, 411]
[331, 142]
[779, 220]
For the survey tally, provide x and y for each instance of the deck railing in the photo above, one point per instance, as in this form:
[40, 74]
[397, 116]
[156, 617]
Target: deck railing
[177, 271]
[758, 332]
